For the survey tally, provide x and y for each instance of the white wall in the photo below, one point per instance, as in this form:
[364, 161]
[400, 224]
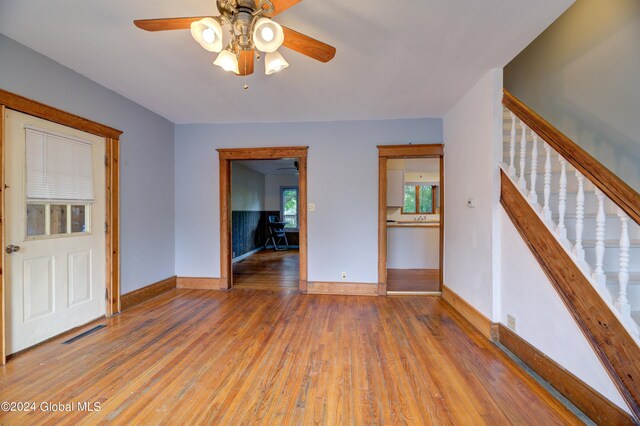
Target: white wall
[247, 188]
[146, 156]
[413, 248]
[342, 163]
[541, 317]
[472, 131]
[272, 189]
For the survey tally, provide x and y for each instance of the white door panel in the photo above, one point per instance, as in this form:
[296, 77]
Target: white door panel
[56, 281]
[79, 271]
[38, 285]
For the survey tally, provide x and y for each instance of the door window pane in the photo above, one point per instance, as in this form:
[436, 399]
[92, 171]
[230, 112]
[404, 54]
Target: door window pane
[58, 220]
[35, 220]
[78, 219]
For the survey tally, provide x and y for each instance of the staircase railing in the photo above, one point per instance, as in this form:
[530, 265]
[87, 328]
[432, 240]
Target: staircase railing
[611, 185]
[537, 158]
[582, 224]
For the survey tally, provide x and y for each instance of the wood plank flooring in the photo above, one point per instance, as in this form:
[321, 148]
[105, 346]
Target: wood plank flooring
[268, 270]
[413, 279]
[274, 357]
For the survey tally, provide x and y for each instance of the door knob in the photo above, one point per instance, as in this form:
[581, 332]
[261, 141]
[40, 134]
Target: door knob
[12, 249]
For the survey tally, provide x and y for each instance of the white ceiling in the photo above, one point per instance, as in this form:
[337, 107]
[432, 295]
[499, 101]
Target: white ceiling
[395, 59]
[282, 166]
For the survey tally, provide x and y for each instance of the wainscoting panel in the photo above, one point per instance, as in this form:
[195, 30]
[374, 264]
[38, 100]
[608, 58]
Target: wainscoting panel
[249, 231]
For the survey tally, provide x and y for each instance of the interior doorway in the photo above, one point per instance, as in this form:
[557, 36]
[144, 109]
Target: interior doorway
[410, 219]
[263, 218]
[265, 224]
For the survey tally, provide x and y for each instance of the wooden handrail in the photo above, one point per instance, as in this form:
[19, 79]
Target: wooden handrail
[614, 346]
[611, 185]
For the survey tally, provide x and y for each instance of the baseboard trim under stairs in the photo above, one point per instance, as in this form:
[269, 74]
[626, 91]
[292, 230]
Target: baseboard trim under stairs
[468, 312]
[611, 342]
[584, 397]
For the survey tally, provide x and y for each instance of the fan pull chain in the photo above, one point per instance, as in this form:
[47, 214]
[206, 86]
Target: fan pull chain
[246, 86]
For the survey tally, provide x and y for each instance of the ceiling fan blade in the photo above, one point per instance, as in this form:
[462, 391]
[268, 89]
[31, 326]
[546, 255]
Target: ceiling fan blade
[166, 24]
[246, 62]
[280, 6]
[308, 46]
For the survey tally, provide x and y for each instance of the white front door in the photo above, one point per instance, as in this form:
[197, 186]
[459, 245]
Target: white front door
[55, 215]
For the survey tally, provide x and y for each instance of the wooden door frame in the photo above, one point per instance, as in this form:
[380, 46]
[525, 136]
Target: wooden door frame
[27, 106]
[386, 152]
[226, 156]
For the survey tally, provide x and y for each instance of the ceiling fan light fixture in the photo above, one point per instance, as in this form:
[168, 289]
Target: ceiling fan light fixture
[227, 61]
[268, 35]
[274, 62]
[208, 32]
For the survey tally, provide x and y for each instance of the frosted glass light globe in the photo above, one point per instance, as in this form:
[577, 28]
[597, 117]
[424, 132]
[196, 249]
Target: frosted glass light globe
[209, 35]
[267, 34]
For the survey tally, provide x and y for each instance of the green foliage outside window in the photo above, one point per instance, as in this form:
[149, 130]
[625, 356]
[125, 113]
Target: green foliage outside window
[290, 207]
[420, 196]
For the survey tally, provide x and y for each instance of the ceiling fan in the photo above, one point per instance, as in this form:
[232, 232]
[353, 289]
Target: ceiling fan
[295, 167]
[250, 28]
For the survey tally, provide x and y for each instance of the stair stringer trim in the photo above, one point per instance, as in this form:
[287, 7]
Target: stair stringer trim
[614, 346]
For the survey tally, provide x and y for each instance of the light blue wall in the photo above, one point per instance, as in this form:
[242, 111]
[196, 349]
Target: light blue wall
[146, 156]
[342, 182]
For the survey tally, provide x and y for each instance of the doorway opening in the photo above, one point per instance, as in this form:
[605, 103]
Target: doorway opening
[263, 193]
[410, 219]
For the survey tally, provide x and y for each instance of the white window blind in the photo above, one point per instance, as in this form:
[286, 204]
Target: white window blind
[58, 167]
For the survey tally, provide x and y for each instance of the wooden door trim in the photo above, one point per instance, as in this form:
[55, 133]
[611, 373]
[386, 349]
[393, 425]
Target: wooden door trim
[386, 152]
[27, 106]
[3, 346]
[265, 153]
[226, 156]
[49, 113]
[411, 151]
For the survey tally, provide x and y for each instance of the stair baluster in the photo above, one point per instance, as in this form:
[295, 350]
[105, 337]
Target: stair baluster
[562, 201]
[522, 182]
[578, 249]
[533, 195]
[546, 210]
[622, 304]
[601, 220]
[512, 147]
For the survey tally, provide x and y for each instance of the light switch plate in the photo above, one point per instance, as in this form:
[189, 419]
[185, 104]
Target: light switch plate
[311, 207]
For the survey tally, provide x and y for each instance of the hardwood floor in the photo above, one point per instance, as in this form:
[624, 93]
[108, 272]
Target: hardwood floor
[413, 280]
[274, 357]
[268, 270]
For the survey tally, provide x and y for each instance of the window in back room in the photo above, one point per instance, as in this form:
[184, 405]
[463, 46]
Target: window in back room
[289, 206]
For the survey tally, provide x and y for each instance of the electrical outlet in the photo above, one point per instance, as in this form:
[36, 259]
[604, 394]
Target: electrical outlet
[344, 275]
[311, 207]
[511, 322]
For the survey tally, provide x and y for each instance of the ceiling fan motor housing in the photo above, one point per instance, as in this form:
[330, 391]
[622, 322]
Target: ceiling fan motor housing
[242, 26]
